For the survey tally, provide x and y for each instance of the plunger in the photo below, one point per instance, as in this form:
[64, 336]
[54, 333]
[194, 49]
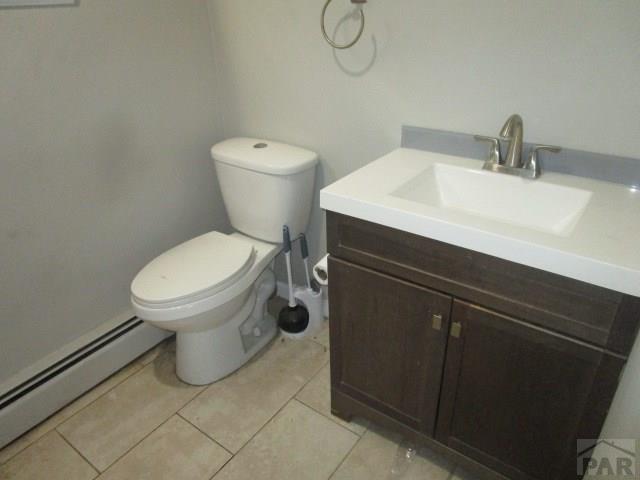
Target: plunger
[293, 318]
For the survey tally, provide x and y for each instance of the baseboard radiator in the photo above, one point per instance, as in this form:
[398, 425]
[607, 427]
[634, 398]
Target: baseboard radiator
[58, 384]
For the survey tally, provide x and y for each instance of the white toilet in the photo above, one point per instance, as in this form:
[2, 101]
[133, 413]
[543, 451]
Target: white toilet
[212, 290]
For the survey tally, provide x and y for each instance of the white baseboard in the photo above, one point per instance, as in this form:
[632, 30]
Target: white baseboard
[50, 396]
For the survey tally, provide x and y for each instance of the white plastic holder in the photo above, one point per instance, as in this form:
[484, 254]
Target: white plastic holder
[312, 301]
[321, 274]
[321, 271]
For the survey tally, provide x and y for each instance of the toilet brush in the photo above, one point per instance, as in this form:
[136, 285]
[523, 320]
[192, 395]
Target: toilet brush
[310, 296]
[304, 249]
[293, 318]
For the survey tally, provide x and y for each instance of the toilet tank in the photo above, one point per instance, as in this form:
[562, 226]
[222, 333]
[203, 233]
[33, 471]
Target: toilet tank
[265, 185]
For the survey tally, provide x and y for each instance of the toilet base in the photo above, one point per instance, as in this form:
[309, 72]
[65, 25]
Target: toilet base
[207, 356]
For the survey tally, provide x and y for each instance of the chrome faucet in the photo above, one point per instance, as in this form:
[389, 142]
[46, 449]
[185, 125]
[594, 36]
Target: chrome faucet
[513, 131]
[513, 165]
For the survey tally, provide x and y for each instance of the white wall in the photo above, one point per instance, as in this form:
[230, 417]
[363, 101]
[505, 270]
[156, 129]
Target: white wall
[569, 67]
[107, 113]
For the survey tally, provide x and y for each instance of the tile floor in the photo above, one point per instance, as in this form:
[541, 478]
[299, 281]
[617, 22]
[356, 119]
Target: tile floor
[269, 420]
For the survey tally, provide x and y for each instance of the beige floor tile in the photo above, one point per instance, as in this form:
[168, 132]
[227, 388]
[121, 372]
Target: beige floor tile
[317, 395]
[176, 450]
[377, 453]
[114, 423]
[298, 443]
[232, 410]
[168, 345]
[67, 412]
[49, 458]
[322, 337]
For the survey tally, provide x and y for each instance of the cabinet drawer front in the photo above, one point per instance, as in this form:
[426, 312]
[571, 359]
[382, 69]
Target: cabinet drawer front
[388, 342]
[517, 398]
[577, 309]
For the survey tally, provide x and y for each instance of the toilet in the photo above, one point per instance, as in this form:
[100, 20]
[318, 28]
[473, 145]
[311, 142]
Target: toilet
[212, 290]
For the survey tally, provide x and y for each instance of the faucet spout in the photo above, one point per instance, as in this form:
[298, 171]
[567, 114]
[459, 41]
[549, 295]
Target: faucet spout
[513, 131]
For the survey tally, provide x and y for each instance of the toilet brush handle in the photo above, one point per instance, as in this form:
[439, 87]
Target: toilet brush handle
[292, 300]
[304, 248]
[286, 239]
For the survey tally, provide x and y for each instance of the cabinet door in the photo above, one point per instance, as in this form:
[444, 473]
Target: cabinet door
[388, 341]
[516, 398]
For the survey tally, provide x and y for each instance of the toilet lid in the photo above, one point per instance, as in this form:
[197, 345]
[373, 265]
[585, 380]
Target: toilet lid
[197, 268]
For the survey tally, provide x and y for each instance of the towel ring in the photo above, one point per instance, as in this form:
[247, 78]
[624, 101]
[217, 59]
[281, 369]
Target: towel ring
[324, 30]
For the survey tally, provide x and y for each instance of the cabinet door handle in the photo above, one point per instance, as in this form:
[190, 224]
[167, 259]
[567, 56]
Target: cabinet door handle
[436, 321]
[456, 329]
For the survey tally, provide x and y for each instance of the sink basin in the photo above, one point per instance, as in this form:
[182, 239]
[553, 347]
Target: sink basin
[572, 226]
[533, 204]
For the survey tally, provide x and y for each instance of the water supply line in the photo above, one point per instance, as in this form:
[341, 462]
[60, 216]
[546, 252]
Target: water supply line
[360, 31]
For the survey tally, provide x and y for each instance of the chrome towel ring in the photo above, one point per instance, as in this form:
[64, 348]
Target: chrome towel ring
[324, 30]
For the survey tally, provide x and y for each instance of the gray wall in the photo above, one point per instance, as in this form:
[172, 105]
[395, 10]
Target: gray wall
[107, 113]
[570, 68]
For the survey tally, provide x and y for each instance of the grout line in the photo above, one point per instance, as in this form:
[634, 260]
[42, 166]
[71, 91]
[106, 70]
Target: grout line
[344, 459]
[206, 434]
[292, 398]
[132, 374]
[330, 418]
[120, 457]
[175, 412]
[55, 427]
[265, 424]
[224, 465]
[78, 452]
[319, 343]
[258, 431]
[206, 387]
[270, 419]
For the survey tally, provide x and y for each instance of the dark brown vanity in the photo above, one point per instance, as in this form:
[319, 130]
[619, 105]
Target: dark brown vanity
[498, 366]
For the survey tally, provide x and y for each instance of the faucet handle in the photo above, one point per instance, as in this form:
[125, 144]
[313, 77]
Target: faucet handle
[495, 156]
[533, 163]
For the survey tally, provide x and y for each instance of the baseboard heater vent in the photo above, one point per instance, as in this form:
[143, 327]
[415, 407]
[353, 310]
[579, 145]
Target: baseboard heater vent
[67, 362]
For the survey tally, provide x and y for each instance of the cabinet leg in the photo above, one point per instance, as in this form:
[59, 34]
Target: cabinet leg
[347, 417]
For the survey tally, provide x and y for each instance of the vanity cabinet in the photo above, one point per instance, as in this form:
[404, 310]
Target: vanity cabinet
[516, 397]
[498, 366]
[392, 348]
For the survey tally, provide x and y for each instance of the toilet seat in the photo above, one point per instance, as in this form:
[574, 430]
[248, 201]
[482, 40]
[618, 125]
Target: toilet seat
[196, 269]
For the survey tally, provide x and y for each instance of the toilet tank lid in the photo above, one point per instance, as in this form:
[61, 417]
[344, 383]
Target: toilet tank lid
[264, 156]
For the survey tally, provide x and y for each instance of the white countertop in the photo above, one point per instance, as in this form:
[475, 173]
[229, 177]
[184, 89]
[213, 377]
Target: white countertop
[602, 249]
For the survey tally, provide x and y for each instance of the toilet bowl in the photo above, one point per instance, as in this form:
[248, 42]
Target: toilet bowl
[220, 319]
[212, 290]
